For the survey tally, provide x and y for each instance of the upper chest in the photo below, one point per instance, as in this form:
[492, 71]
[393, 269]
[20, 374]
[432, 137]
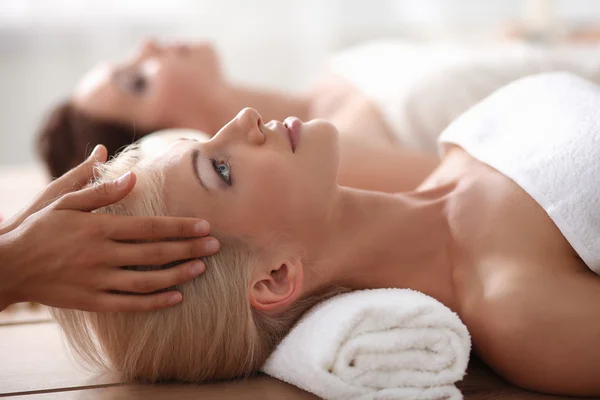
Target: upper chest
[500, 233]
[489, 213]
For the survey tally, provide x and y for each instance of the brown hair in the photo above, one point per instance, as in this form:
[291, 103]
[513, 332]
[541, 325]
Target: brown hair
[214, 334]
[67, 137]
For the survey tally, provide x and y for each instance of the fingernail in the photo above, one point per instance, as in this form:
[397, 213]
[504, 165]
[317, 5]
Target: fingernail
[175, 298]
[197, 268]
[122, 181]
[211, 245]
[95, 151]
[201, 227]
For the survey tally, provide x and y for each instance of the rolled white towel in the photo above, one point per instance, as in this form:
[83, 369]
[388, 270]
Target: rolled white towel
[375, 344]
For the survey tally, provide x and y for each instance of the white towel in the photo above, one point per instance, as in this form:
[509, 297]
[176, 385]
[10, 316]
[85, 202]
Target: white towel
[420, 88]
[543, 132]
[375, 344]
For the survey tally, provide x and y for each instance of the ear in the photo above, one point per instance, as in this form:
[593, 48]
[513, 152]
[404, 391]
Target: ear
[274, 289]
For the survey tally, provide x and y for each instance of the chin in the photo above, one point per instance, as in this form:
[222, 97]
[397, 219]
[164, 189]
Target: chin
[321, 143]
[323, 126]
[322, 131]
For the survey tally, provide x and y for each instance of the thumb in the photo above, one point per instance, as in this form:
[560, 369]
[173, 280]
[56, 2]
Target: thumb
[96, 196]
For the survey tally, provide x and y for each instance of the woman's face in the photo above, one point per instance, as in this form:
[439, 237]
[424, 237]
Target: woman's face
[157, 87]
[252, 180]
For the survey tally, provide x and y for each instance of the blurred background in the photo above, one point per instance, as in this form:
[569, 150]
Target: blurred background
[46, 45]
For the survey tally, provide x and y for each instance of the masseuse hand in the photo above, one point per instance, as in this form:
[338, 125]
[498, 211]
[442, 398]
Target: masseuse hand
[57, 253]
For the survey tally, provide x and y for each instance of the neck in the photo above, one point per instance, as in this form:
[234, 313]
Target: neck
[269, 103]
[377, 240]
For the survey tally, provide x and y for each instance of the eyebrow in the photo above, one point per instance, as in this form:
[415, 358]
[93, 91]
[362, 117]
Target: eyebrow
[195, 155]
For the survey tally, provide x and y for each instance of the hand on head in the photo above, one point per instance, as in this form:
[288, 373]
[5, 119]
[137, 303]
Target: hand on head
[56, 252]
[269, 190]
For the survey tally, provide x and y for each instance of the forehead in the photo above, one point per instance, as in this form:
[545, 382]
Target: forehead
[169, 160]
[174, 163]
[97, 95]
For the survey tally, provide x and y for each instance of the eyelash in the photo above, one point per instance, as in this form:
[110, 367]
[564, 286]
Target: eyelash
[216, 164]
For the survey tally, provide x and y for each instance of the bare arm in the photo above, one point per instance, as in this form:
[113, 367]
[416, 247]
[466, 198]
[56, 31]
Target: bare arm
[370, 157]
[543, 333]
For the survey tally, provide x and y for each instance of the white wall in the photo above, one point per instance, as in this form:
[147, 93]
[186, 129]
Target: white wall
[45, 45]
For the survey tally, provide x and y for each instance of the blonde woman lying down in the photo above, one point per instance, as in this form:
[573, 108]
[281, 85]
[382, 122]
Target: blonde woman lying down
[504, 232]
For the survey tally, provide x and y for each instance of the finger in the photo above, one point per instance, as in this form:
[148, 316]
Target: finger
[96, 196]
[159, 253]
[82, 173]
[151, 228]
[71, 181]
[151, 281]
[80, 176]
[108, 302]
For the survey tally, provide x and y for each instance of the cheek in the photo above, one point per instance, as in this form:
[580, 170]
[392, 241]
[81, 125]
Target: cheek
[169, 100]
[270, 191]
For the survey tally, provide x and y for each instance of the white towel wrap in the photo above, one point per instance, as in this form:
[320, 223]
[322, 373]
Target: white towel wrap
[543, 132]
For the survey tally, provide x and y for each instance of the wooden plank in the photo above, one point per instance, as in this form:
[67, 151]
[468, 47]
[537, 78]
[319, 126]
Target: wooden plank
[263, 387]
[33, 357]
[34, 360]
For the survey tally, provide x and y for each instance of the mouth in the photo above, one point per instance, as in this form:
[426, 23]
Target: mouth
[291, 129]
[293, 126]
[181, 48]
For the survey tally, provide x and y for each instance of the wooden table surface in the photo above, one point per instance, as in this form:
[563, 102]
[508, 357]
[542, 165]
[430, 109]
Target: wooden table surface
[35, 365]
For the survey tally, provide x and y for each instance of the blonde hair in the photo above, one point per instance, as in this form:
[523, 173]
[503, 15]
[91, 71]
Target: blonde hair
[213, 334]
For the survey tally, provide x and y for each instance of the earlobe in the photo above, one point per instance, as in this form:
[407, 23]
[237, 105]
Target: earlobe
[276, 288]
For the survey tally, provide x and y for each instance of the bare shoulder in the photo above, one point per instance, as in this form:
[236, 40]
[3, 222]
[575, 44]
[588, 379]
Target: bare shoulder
[350, 110]
[329, 93]
[540, 330]
[530, 303]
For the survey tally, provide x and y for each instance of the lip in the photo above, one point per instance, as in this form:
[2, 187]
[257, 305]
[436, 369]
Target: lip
[279, 127]
[181, 48]
[294, 128]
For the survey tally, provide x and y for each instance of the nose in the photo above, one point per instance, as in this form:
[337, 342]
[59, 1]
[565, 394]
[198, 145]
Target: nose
[148, 48]
[250, 122]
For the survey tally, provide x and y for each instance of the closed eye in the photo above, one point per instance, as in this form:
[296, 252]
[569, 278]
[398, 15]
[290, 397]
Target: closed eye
[131, 81]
